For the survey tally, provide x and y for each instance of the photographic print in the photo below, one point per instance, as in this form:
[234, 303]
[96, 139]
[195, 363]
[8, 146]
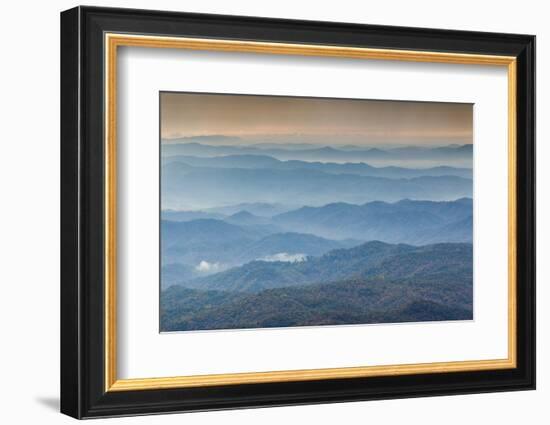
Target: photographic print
[312, 214]
[280, 211]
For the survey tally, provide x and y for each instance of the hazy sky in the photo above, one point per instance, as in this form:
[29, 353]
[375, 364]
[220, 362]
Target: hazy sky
[295, 119]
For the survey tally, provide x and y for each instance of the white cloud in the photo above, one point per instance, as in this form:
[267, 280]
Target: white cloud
[206, 267]
[285, 257]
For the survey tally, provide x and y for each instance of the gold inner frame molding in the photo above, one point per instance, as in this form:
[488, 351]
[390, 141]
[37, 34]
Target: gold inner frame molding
[113, 41]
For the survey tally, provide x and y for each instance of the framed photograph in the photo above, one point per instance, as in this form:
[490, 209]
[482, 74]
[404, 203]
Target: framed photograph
[261, 212]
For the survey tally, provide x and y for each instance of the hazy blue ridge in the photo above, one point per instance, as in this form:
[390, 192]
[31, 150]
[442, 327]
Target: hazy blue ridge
[225, 245]
[312, 231]
[406, 221]
[324, 153]
[359, 168]
[187, 187]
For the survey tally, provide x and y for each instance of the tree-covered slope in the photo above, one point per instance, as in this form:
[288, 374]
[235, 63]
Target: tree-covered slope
[372, 259]
[355, 301]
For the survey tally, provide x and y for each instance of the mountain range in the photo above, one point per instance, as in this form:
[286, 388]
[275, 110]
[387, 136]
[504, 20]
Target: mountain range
[227, 245]
[359, 168]
[241, 237]
[406, 221]
[188, 187]
[347, 286]
[265, 234]
[368, 260]
[443, 154]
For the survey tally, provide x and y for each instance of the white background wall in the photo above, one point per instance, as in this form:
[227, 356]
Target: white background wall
[29, 224]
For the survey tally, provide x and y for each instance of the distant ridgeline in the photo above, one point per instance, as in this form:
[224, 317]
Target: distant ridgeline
[209, 176]
[312, 152]
[203, 186]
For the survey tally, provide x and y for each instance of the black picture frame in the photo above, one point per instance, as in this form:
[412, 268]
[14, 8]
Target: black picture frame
[83, 392]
